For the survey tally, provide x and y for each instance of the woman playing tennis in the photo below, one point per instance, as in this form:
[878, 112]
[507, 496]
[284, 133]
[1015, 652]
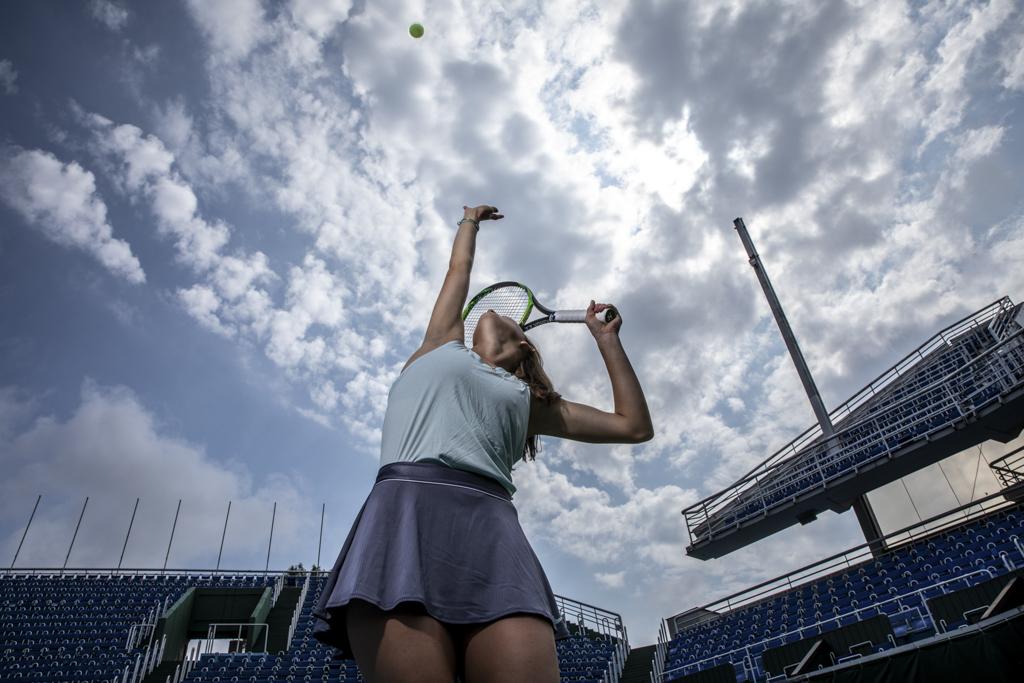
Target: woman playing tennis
[436, 580]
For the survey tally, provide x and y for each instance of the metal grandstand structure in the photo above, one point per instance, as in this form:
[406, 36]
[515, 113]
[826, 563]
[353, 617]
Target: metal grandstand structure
[961, 387]
[943, 589]
[841, 590]
[146, 613]
[129, 624]
[1010, 471]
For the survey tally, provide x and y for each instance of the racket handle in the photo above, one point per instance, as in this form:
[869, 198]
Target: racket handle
[579, 316]
[571, 316]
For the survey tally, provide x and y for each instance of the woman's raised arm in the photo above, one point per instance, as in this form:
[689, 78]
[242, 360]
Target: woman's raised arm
[631, 421]
[446, 318]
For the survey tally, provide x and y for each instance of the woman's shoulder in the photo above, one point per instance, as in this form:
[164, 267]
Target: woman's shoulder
[426, 349]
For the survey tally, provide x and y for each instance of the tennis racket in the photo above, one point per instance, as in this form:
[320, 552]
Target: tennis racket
[515, 300]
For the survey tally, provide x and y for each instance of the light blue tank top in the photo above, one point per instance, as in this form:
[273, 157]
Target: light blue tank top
[452, 407]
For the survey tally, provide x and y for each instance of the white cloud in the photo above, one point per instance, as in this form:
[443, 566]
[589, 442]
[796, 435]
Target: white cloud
[233, 27]
[945, 82]
[1012, 61]
[113, 449]
[320, 16]
[109, 13]
[62, 202]
[8, 77]
[202, 303]
[611, 580]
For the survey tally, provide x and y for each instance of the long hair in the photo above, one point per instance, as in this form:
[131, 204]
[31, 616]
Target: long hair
[531, 371]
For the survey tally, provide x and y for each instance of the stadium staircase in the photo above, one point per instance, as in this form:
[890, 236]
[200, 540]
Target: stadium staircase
[279, 620]
[163, 671]
[638, 665]
[960, 388]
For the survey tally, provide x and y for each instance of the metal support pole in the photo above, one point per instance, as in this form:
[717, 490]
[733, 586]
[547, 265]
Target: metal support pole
[323, 508]
[222, 534]
[787, 332]
[75, 535]
[869, 525]
[272, 517]
[865, 516]
[25, 533]
[171, 539]
[130, 523]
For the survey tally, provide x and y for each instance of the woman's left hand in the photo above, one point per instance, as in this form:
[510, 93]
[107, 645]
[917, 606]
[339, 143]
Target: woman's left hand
[484, 212]
[600, 329]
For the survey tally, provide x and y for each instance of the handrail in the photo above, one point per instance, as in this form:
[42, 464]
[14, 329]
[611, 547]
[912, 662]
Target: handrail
[211, 631]
[298, 610]
[894, 541]
[941, 383]
[836, 617]
[1009, 467]
[1003, 304]
[698, 514]
[278, 587]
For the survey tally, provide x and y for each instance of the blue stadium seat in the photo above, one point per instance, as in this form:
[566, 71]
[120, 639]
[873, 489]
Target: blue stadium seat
[894, 584]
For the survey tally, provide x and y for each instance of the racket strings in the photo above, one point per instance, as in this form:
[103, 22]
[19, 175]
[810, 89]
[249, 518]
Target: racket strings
[508, 301]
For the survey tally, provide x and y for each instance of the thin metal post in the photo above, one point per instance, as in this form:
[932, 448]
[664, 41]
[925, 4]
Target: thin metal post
[130, 523]
[272, 517]
[323, 508]
[787, 332]
[171, 539]
[862, 507]
[223, 533]
[75, 535]
[25, 533]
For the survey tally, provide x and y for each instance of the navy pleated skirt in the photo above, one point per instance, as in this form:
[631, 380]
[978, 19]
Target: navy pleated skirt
[443, 537]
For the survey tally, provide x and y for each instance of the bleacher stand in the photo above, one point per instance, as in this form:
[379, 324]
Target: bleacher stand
[931, 585]
[74, 626]
[69, 626]
[972, 368]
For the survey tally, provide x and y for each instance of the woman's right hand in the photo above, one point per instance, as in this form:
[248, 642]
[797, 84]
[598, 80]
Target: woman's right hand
[482, 213]
[600, 329]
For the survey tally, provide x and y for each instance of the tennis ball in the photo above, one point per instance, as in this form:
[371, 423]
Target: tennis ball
[416, 31]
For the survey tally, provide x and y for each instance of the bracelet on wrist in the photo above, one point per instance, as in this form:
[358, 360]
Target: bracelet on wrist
[474, 221]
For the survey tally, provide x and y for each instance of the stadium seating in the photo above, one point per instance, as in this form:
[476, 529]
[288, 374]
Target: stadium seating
[583, 657]
[77, 626]
[964, 370]
[898, 585]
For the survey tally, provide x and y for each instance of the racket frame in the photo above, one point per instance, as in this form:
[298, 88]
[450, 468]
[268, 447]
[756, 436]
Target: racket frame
[550, 316]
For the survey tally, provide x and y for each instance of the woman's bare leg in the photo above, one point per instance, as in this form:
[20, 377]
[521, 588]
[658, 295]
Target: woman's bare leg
[401, 645]
[519, 648]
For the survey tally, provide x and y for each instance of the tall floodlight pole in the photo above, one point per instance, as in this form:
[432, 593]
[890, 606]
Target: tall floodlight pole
[865, 515]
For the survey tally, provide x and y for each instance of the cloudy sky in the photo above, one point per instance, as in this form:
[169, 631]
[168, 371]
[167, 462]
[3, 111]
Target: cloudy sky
[223, 225]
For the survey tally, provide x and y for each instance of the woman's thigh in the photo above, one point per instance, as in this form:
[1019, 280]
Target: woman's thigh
[513, 649]
[402, 644]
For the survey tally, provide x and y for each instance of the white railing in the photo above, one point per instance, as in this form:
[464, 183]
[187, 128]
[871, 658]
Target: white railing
[278, 587]
[136, 631]
[298, 609]
[937, 342]
[805, 462]
[749, 657]
[604, 623]
[144, 662]
[855, 556]
[182, 671]
[658, 665]
[211, 635]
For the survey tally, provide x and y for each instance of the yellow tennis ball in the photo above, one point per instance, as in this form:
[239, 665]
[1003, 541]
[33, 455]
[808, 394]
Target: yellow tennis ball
[416, 31]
